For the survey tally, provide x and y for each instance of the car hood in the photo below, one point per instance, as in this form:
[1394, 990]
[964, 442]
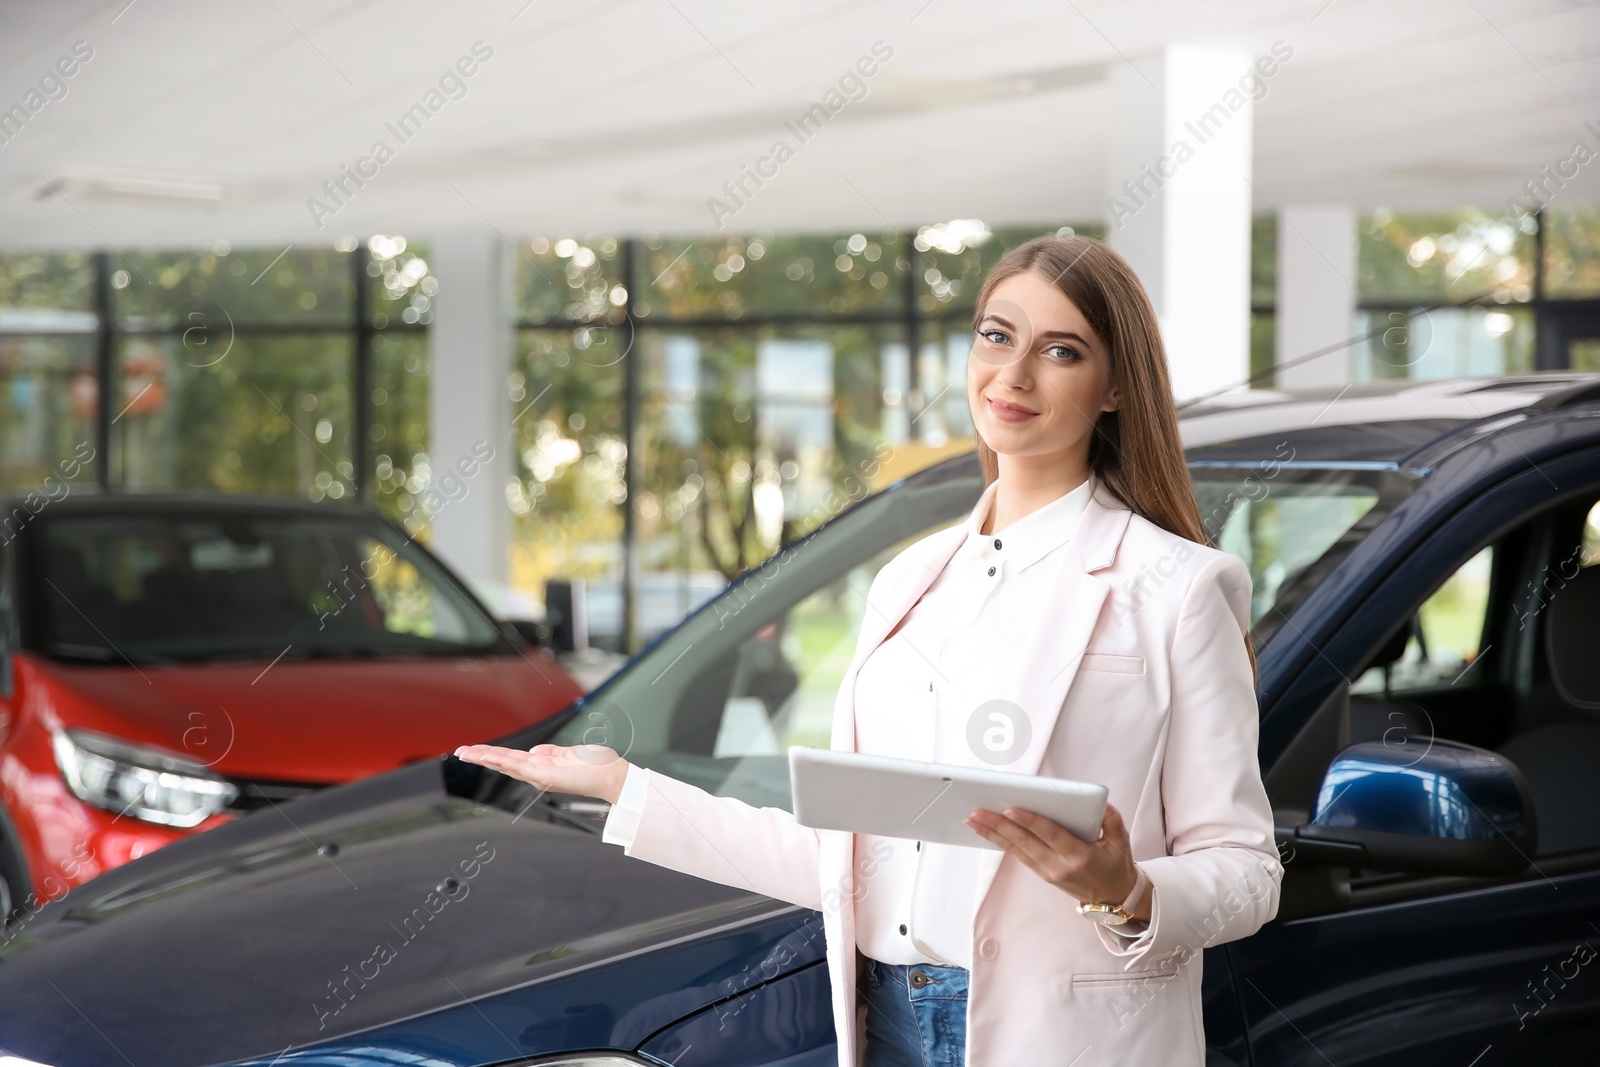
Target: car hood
[270, 932]
[320, 721]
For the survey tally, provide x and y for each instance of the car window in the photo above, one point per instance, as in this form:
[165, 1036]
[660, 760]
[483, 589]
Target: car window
[408, 600]
[1555, 731]
[1292, 523]
[1501, 655]
[193, 588]
[720, 700]
[1445, 637]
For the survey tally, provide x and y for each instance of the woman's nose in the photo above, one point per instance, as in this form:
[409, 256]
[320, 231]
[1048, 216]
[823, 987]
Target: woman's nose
[1015, 375]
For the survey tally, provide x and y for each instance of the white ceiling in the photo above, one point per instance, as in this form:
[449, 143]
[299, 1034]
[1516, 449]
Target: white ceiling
[625, 116]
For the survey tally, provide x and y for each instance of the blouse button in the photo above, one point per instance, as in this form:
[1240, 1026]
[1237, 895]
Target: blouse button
[997, 542]
[988, 948]
[991, 572]
[902, 928]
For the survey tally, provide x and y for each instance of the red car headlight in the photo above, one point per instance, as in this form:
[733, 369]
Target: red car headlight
[146, 783]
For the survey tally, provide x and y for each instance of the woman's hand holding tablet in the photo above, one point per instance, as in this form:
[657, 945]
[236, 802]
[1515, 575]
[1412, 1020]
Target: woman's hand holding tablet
[1063, 830]
[921, 801]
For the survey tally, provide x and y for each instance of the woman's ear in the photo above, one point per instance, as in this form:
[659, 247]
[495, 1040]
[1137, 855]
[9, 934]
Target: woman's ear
[1113, 399]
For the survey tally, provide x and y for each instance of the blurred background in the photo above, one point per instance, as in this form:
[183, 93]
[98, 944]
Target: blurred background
[631, 294]
[377, 379]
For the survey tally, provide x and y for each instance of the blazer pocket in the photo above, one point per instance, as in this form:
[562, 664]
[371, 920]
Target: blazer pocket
[1166, 972]
[1104, 661]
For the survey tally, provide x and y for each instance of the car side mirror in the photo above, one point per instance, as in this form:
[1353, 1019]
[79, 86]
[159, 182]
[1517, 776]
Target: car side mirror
[536, 633]
[1455, 809]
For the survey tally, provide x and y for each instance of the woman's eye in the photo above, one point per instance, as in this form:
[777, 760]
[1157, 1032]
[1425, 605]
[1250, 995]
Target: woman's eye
[994, 337]
[1065, 353]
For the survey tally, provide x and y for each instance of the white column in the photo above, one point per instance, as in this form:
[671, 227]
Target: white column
[1178, 203]
[1316, 291]
[469, 439]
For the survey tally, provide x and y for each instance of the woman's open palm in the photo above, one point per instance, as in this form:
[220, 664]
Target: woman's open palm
[586, 770]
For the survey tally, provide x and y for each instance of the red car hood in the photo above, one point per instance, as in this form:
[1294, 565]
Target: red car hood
[320, 721]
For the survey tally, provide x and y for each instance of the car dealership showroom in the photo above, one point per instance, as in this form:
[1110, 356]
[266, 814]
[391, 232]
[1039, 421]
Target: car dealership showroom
[507, 551]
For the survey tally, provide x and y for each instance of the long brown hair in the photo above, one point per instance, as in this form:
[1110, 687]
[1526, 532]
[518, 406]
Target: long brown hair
[1135, 450]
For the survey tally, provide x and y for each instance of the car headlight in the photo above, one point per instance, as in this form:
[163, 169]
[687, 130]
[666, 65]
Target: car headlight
[147, 783]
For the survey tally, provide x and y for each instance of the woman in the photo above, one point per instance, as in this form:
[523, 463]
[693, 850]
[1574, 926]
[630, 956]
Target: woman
[1078, 625]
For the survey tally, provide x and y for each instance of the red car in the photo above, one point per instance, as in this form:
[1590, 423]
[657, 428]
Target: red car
[169, 662]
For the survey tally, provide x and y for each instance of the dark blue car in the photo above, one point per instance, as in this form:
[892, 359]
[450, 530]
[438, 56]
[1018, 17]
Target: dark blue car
[1426, 559]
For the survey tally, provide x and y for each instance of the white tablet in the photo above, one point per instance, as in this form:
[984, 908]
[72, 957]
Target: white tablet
[921, 801]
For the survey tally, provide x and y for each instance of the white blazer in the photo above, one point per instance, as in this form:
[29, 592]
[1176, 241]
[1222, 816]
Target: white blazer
[1137, 678]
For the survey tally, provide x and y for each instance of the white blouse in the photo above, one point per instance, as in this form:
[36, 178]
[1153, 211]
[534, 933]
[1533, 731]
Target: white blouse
[916, 695]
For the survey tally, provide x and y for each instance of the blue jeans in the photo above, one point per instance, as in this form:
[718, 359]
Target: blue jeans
[916, 1015]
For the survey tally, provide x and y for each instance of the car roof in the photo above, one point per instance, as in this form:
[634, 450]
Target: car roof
[1378, 421]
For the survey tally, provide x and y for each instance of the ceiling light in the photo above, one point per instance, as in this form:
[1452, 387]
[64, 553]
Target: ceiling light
[105, 183]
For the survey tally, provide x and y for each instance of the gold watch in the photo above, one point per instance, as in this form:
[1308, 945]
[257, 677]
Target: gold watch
[1104, 914]
[1107, 913]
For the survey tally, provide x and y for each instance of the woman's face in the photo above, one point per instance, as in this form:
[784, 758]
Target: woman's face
[1038, 377]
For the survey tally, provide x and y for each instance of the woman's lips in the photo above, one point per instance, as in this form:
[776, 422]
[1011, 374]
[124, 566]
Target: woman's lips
[1010, 412]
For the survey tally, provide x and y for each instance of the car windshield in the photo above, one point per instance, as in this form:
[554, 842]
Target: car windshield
[720, 700]
[1293, 523]
[192, 588]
